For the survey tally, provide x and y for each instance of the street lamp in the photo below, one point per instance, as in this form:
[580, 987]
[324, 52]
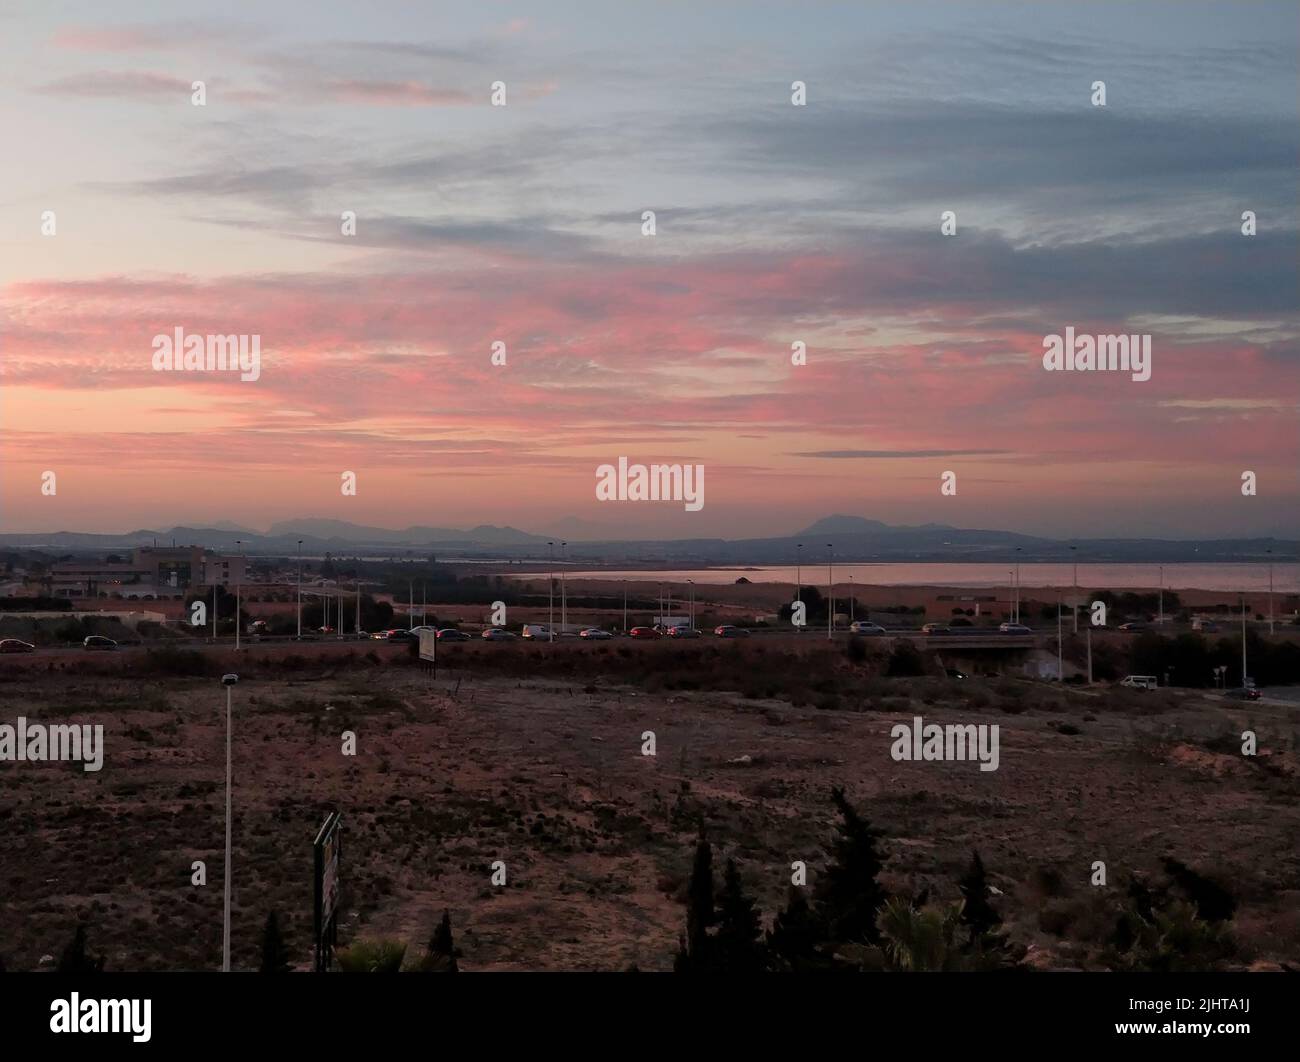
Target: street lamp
[239, 578]
[1270, 590]
[830, 590]
[1016, 617]
[299, 589]
[1074, 600]
[228, 681]
[798, 578]
[1161, 602]
[1244, 683]
[550, 593]
[691, 614]
[564, 596]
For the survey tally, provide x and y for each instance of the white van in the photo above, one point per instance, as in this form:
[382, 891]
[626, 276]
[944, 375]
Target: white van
[539, 631]
[1141, 682]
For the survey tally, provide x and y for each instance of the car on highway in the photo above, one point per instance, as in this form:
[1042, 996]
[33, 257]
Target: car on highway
[1015, 628]
[953, 673]
[1243, 693]
[594, 634]
[645, 632]
[498, 634]
[96, 641]
[399, 634]
[16, 645]
[728, 631]
[451, 634]
[936, 628]
[863, 627]
[1140, 682]
[539, 632]
[683, 632]
[1132, 627]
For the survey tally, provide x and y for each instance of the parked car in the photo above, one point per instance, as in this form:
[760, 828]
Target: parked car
[16, 645]
[1015, 628]
[499, 634]
[451, 634]
[645, 632]
[95, 641]
[683, 632]
[936, 628]
[538, 632]
[728, 631]
[1243, 693]
[1140, 682]
[863, 627]
[594, 634]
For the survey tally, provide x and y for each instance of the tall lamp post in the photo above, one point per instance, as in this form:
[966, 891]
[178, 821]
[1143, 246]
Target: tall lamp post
[1243, 641]
[299, 589]
[1161, 603]
[691, 614]
[550, 593]
[229, 682]
[1017, 608]
[564, 594]
[1270, 590]
[1074, 599]
[830, 590]
[239, 578]
[798, 578]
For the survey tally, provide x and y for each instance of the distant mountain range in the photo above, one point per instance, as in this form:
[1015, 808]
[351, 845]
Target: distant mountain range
[853, 538]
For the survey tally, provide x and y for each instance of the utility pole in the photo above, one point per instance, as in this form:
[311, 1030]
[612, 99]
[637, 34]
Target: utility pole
[1161, 619]
[358, 601]
[851, 600]
[550, 594]
[624, 606]
[564, 594]
[300, 589]
[691, 614]
[215, 588]
[410, 603]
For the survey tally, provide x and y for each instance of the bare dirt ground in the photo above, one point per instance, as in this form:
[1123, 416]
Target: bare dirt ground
[542, 768]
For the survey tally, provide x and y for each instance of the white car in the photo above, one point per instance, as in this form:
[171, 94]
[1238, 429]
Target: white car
[1015, 628]
[538, 632]
[863, 627]
[595, 634]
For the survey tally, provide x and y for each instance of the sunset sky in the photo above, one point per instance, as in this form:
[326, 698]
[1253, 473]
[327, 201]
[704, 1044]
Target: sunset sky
[775, 224]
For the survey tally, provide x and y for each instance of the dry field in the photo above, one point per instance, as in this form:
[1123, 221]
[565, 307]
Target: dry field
[538, 762]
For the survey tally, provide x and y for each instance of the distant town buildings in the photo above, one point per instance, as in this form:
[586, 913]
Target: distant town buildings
[152, 572]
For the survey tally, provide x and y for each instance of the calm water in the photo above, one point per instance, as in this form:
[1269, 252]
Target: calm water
[1225, 577]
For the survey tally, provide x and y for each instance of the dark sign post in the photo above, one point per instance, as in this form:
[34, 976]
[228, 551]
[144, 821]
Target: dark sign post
[328, 853]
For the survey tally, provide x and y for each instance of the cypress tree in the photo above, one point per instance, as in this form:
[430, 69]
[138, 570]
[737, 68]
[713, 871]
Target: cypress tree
[848, 894]
[738, 944]
[792, 941]
[440, 952]
[75, 960]
[977, 913]
[275, 956]
[693, 955]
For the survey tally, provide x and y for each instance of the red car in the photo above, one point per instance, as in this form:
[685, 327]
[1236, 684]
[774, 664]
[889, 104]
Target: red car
[644, 632]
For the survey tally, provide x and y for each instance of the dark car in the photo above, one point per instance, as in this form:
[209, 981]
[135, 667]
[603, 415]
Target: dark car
[1243, 693]
[953, 673]
[1132, 627]
[451, 634]
[498, 634]
[15, 645]
[728, 631]
[95, 641]
[683, 632]
[645, 632]
[401, 636]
